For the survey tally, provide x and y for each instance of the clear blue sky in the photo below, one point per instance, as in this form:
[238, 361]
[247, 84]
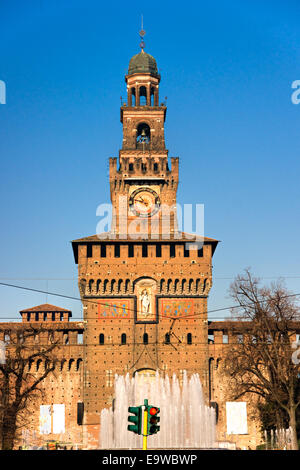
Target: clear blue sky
[227, 69]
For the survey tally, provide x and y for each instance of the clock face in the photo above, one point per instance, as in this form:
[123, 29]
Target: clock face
[144, 202]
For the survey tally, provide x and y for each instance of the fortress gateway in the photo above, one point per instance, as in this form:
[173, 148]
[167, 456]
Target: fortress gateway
[144, 298]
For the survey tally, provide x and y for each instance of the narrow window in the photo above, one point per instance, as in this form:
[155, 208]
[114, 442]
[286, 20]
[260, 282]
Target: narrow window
[152, 96]
[158, 250]
[21, 338]
[51, 337]
[132, 96]
[130, 166]
[143, 96]
[167, 338]
[79, 338]
[189, 338]
[211, 339]
[155, 167]
[66, 338]
[130, 251]
[123, 338]
[109, 378]
[101, 338]
[172, 251]
[103, 251]
[144, 250]
[186, 251]
[7, 337]
[200, 252]
[145, 338]
[117, 251]
[89, 251]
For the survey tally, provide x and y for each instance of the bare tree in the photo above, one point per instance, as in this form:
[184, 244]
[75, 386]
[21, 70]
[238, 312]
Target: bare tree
[19, 385]
[261, 363]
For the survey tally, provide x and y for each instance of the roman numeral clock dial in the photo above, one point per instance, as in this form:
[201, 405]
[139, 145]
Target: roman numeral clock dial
[144, 202]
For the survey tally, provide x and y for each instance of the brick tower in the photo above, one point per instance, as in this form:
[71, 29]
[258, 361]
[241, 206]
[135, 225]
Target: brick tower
[144, 293]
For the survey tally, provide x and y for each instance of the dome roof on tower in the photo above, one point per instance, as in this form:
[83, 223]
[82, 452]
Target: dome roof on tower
[142, 63]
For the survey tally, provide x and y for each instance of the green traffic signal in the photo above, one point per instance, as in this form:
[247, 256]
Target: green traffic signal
[136, 419]
[153, 419]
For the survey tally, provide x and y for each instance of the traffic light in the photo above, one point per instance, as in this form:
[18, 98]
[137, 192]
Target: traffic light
[153, 419]
[136, 419]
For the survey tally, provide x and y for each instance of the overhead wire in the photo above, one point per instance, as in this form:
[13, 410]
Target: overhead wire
[97, 302]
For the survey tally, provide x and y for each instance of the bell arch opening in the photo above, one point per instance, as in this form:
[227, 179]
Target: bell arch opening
[143, 135]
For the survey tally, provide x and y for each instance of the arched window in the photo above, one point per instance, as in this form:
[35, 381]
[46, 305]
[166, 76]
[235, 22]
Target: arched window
[91, 285]
[66, 338]
[105, 284]
[127, 285]
[133, 101]
[101, 338]
[189, 338]
[143, 96]
[123, 338]
[7, 337]
[145, 338]
[51, 337]
[82, 286]
[167, 338]
[152, 96]
[112, 285]
[143, 134]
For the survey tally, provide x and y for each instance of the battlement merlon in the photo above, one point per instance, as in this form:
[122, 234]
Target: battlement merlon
[143, 167]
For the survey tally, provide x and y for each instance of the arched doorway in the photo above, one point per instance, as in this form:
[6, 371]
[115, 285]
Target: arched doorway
[145, 376]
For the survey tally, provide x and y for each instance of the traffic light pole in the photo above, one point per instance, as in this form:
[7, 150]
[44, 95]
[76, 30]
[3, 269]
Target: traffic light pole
[143, 420]
[145, 424]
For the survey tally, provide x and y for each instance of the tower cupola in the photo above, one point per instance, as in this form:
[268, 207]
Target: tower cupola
[142, 79]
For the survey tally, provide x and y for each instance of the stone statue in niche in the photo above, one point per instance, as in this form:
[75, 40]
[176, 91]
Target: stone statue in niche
[145, 300]
[145, 291]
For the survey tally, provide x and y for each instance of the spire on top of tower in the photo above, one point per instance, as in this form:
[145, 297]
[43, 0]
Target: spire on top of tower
[142, 33]
[143, 62]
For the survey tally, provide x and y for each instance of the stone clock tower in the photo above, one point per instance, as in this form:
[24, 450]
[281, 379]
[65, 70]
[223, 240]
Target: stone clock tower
[143, 188]
[144, 293]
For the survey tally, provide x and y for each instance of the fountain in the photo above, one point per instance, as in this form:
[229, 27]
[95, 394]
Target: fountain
[185, 420]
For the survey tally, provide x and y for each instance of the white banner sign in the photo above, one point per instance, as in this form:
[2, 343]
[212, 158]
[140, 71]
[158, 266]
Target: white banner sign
[45, 419]
[58, 419]
[236, 413]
